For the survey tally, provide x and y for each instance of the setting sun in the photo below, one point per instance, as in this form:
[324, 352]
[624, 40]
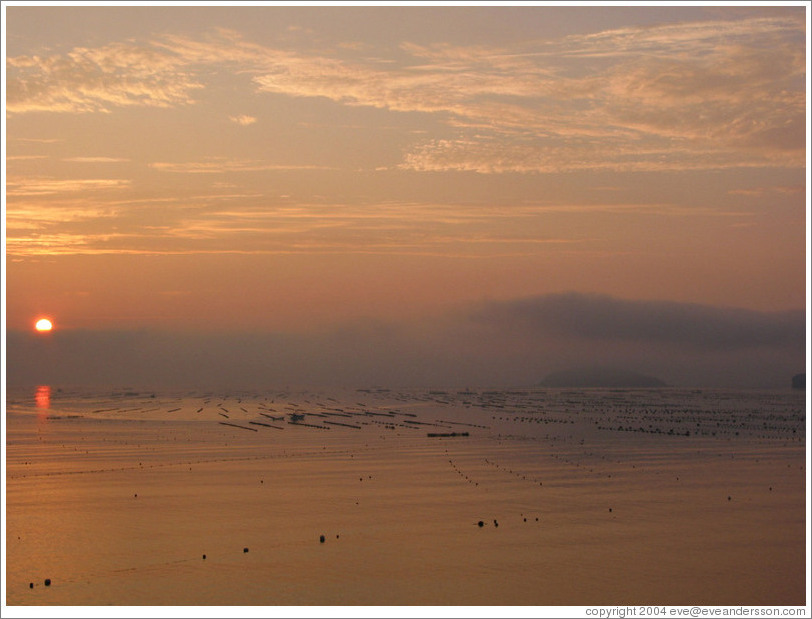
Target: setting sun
[43, 324]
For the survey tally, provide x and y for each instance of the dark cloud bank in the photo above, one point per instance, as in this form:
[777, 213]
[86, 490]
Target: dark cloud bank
[493, 344]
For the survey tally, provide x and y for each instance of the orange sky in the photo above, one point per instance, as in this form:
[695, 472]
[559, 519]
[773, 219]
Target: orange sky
[297, 168]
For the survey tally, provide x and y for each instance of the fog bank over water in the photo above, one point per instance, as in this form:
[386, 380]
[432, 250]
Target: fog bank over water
[490, 344]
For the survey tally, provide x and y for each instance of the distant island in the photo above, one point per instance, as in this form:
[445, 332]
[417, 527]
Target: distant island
[600, 377]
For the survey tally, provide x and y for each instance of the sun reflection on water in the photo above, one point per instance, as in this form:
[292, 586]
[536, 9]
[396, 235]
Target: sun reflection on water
[42, 397]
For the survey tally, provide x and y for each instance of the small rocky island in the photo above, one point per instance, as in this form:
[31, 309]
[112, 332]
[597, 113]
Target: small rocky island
[600, 377]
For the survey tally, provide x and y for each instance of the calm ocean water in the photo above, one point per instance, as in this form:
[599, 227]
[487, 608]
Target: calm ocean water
[487, 497]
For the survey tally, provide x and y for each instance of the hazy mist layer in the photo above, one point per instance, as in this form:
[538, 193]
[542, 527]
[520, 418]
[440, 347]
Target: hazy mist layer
[514, 343]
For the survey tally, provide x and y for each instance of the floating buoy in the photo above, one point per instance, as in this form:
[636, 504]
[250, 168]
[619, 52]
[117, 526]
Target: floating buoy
[245, 549]
[47, 582]
[204, 557]
[481, 524]
[321, 538]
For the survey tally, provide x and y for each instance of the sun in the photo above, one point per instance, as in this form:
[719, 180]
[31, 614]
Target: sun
[44, 325]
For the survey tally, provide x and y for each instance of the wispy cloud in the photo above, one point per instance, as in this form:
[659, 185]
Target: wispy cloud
[65, 227]
[491, 154]
[686, 96]
[258, 224]
[693, 95]
[761, 191]
[98, 80]
[227, 218]
[243, 120]
[36, 140]
[221, 165]
[96, 159]
[36, 186]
